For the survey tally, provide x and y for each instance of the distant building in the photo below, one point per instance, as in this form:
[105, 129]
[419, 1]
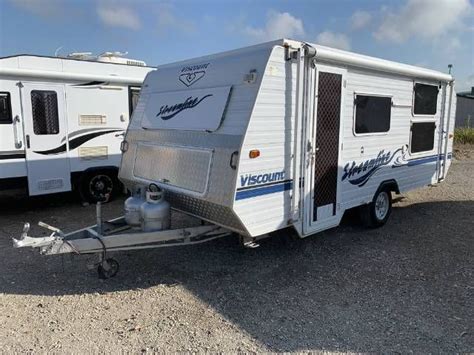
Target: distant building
[465, 109]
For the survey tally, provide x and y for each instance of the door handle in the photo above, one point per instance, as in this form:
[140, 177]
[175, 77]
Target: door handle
[16, 136]
[233, 158]
[28, 141]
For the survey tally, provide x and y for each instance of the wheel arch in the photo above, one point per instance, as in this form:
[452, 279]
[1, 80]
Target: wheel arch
[390, 185]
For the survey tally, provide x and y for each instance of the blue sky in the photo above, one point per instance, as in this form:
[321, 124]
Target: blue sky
[429, 33]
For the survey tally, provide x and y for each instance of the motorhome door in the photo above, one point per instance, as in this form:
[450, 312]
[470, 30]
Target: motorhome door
[323, 150]
[45, 130]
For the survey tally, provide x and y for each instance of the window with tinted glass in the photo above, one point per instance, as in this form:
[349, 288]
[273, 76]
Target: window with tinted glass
[133, 96]
[426, 99]
[372, 114]
[44, 105]
[422, 136]
[5, 108]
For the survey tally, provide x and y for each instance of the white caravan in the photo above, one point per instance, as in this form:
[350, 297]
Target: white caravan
[285, 134]
[62, 121]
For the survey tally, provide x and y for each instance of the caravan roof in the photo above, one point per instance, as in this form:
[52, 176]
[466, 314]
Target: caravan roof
[26, 65]
[332, 55]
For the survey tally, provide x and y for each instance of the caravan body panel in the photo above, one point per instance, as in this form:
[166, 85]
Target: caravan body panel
[296, 105]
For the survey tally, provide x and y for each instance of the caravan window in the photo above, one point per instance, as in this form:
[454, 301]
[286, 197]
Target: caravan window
[133, 95]
[5, 108]
[422, 136]
[425, 100]
[372, 114]
[44, 105]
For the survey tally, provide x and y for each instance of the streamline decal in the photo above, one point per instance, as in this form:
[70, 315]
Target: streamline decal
[76, 142]
[12, 155]
[91, 83]
[167, 112]
[193, 73]
[353, 171]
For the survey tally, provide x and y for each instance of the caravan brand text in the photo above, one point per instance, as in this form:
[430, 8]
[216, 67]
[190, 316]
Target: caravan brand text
[167, 112]
[249, 180]
[195, 67]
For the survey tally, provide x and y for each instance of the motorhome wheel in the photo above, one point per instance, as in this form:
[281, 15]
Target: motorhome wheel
[97, 186]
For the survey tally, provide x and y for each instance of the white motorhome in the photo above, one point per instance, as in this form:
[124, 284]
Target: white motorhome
[285, 134]
[62, 121]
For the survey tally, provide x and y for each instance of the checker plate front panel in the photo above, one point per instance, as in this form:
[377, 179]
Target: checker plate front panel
[183, 167]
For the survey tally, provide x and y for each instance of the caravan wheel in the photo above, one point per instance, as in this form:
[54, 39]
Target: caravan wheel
[376, 213]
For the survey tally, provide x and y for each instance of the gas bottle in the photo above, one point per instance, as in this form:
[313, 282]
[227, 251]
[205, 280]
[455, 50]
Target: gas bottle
[155, 213]
[132, 208]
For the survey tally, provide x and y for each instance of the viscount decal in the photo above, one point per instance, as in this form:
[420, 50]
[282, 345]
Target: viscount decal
[167, 112]
[250, 179]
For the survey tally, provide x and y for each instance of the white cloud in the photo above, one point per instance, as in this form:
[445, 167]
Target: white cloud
[427, 19]
[334, 39]
[278, 25]
[43, 8]
[114, 15]
[360, 20]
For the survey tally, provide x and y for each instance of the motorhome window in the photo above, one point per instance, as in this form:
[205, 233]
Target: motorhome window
[422, 136]
[5, 108]
[133, 95]
[44, 105]
[372, 114]
[426, 99]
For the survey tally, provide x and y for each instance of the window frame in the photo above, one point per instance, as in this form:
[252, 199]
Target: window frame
[424, 152]
[354, 114]
[421, 116]
[130, 96]
[9, 98]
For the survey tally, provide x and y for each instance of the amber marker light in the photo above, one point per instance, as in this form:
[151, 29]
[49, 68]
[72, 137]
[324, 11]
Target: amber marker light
[254, 153]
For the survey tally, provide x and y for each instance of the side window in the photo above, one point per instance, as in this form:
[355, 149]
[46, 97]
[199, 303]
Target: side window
[44, 105]
[422, 136]
[425, 99]
[133, 96]
[372, 114]
[5, 108]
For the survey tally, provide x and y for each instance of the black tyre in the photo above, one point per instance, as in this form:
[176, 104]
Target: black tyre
[98, 186]
[376, 213]
[109, 269]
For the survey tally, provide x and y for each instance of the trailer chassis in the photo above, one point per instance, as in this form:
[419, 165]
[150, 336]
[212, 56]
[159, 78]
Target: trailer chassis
[114, 235]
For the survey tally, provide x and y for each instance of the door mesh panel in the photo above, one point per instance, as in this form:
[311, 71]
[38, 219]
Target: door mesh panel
[327, 140]
[44, 105]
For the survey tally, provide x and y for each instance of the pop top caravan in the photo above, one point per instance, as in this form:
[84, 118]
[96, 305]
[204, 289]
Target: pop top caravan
[62, 121]
[285, 134]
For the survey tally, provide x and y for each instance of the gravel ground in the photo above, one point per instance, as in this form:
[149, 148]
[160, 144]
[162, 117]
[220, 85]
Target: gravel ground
[407, 287]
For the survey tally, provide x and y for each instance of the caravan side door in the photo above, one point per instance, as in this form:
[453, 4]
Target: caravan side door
[45, 128]
[324, 131]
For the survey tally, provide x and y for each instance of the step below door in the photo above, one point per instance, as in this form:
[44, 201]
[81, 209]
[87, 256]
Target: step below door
[45, 138]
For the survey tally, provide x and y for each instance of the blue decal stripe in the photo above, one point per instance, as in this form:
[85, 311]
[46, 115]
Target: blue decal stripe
[423, 160]
[265, 190]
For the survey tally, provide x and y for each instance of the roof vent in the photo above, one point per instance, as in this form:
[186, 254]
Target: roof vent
[107, 57]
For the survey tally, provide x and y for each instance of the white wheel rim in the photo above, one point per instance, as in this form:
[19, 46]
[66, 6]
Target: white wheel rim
[381, 205]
